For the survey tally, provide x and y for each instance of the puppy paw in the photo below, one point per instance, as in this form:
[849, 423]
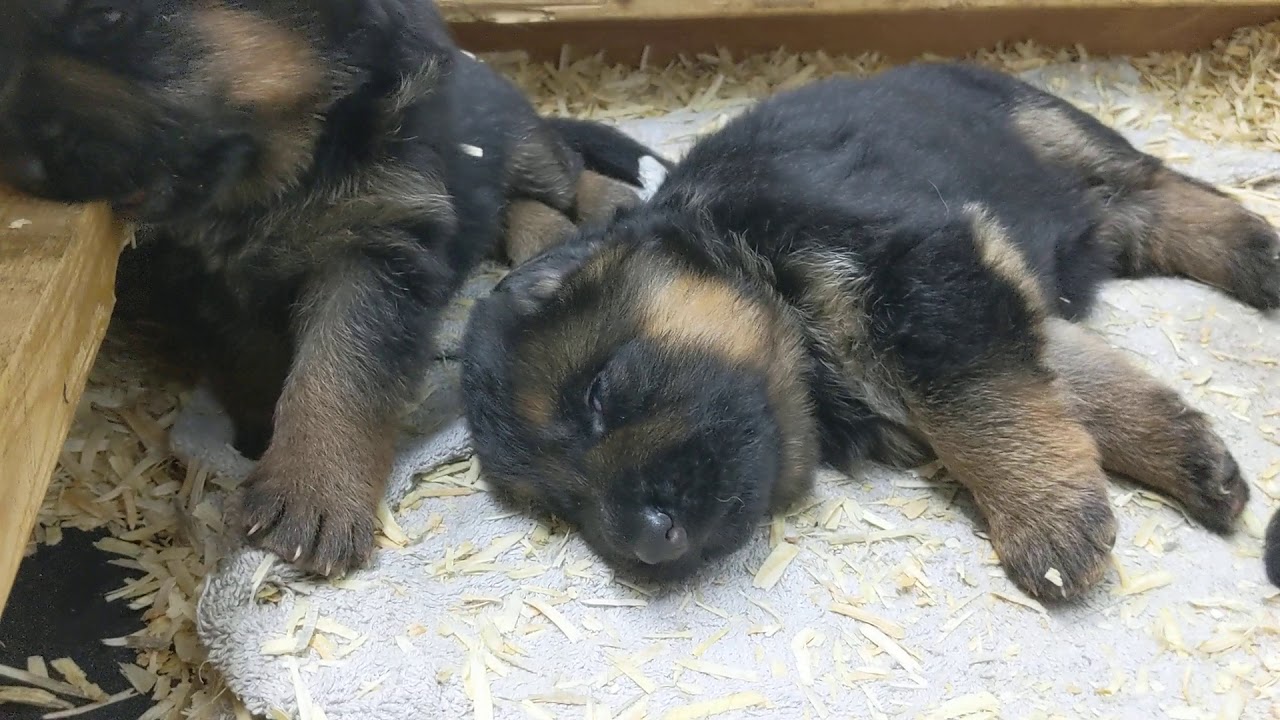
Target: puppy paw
[1255, 276]
[1059, 550]
[1213, 490]
[308, 519]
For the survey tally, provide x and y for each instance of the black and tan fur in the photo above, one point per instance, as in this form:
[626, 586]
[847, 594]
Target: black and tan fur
[312, 180]
[883, 269]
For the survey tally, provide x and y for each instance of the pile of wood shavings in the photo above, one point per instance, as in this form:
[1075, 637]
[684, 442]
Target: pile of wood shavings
[116, 472]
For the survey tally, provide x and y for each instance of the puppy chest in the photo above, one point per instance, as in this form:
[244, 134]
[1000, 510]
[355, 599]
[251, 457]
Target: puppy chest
[832, 298]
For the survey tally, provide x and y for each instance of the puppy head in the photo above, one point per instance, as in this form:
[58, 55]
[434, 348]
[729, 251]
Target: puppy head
[657, 406]
[166, 107]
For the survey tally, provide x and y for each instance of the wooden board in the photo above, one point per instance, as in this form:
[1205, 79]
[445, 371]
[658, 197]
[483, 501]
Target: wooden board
[526, 11]
[57, 278]
[900, 30]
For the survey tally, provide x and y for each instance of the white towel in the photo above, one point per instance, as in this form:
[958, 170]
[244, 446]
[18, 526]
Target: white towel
[424, 643]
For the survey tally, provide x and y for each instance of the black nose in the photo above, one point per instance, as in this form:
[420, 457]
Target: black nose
[660, 539]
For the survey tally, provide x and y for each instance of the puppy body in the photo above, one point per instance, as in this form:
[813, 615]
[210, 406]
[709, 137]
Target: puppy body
[312, 180]
[877, 269]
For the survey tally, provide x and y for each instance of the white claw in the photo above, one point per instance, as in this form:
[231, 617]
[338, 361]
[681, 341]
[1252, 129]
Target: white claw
[297, 553]
[328, 570]
[254, 530]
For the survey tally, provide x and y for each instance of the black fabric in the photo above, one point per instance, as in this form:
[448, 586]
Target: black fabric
[58, 608]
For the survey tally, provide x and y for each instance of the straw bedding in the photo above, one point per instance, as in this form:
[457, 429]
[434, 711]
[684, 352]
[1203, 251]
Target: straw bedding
[874, 600]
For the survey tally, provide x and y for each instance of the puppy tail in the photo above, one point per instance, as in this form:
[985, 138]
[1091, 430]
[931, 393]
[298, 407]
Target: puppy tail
[609, 151]
[1271, 553]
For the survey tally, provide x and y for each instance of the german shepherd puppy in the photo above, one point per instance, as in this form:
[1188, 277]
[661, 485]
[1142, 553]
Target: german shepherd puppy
[881, 269]
[312, 180]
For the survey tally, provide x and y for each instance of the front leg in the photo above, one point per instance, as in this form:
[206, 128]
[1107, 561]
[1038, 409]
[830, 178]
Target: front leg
[362, 336]
[968, 338]
[1007, 434]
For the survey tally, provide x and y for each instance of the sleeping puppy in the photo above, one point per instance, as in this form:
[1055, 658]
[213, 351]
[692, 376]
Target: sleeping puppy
[883, 269]
[312, 180]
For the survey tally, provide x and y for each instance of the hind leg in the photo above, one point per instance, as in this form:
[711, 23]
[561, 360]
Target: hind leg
[532, 227]
[1155, 220]
[1009, 436]
[599, 197]
[1179, 226]
[1144, 430]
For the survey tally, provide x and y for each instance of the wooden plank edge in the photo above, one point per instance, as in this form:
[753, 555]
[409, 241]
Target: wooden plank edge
[536, 11]
[898, 36]
[48, 375]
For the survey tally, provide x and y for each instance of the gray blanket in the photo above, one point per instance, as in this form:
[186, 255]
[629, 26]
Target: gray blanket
[892, 606]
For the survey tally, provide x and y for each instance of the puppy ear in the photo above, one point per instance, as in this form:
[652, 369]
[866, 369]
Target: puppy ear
[531, 285]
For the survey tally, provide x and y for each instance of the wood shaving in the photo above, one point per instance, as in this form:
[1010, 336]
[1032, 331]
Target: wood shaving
[1025, 602]
[626, 667]
[718, 670]
[888, 627]
[775, 565]
[975, 706]
[1145, 583]
[31, 697]
[476, 681]
[92, 707]
[719, 706]
[891, 648]
[72, 673]
[43, 682]
[560, 621]
[715, 637]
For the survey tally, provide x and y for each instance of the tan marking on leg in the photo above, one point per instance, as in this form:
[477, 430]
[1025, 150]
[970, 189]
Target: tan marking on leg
[1198, 233]
[532, 227]
[599, 197]
[1144, 430]
[1035, 476]
[1160, 221]
[314, 493]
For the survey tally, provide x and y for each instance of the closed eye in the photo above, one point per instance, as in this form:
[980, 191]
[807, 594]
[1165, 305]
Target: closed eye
[595, 403]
